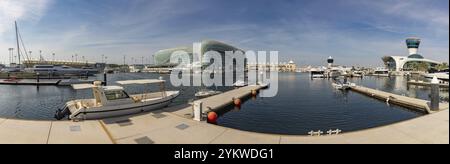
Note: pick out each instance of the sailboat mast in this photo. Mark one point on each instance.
(17, 39)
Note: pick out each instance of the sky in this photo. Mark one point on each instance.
(354, 32)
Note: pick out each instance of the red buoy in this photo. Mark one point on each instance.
(212, 117)
(237, 102)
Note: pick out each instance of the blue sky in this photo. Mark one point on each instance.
(354, 32)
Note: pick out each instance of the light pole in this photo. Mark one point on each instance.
(53, 57)
(11, 54)
(154, 62)
(124, 60)
(76, 58)
(40, 54)
(103, 56)
(31, 57)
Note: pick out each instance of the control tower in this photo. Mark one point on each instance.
(330, 62)
(413, 45)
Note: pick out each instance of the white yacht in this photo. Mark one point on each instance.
(381, 72)
(240, 83)
(112, 101)
(443, 75)
(316, 73)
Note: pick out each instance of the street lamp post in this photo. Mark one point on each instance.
(40, 54)
(11, 54)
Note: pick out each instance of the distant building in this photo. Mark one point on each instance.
(400, 63)
(162, 57)
(280, 67)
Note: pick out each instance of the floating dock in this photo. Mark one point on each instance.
(30, 82)
(404, 101)
(425, 84)
(54, 82)
(218, 102)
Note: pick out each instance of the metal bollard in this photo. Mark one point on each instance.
(197, 110)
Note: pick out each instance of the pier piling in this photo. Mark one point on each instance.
(105, 80)
(434, 104)
(37, 80)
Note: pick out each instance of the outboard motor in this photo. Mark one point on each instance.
(62, 113)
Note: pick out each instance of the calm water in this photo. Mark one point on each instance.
(302, 104)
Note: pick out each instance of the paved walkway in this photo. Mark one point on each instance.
(169, 128)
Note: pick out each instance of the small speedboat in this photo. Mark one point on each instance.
(113, 101)
(343, 86)
(206, 93)
(240, 83)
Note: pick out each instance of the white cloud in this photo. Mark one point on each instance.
(24, 10)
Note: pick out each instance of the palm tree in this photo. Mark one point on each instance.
(442, 66)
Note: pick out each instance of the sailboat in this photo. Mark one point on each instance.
(15, 67)
(204, 92)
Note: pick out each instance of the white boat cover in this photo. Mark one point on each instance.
(82, 86)
(144, 81)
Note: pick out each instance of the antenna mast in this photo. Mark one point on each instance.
(18, 47)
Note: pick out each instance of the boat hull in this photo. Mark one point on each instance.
(122, 110)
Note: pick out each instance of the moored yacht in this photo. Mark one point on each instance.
(382, 72)
(441, 75)
(316, 73)
(61, 70)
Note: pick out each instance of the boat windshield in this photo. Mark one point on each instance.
(116, 95)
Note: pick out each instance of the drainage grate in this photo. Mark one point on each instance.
(182, 126)
(126, 122)
(75, 128)
(144, 140)
(158, 116)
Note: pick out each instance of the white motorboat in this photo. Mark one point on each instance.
(112, 101)
(342, 86)
(443, 76)
(315, 73)
(240, 83)
(204, 93)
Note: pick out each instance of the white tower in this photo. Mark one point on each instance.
(413, 45)
(330, 62)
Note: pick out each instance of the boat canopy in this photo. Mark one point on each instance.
(82, 86)
(145, 81)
